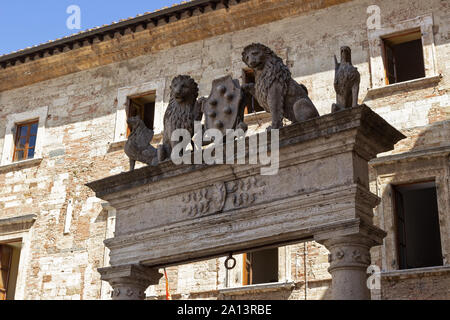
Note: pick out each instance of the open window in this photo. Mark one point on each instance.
(144, 107)
(260, 267)
(252, 105)
(418, 233)
(9, 267)
(403, 57)
(25, 140)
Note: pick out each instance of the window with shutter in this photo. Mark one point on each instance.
(5, 267)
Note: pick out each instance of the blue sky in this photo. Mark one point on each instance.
(27, 23)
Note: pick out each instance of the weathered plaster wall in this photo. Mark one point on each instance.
(81, 124)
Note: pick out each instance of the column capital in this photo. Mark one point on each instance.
(130, 281)
(349, 245)
(350, 252)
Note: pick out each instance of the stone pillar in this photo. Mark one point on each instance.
(349, 259)
(129, 282)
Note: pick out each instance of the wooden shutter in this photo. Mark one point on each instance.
(5, 267)
(391, 71)
(401, 230)
(247, 269)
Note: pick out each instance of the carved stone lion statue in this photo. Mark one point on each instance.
(138, 146)
(181, 113)
(274, 88)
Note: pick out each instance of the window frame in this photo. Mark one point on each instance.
(141, 111)
(123, 95)
(377, 51)
(387, 45)
(396, 190)
(10, 135)
(18, 136)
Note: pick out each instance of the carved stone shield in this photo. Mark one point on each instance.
(223, 108)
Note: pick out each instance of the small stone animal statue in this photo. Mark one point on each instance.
(346, 82)
(138, 147)
(274, 88)
(181, 113)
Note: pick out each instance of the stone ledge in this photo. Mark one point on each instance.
(120, 145)
(407, 85)
(20, 164)
(264, 287)
(413, 155)
(416, 273)
(16, 224)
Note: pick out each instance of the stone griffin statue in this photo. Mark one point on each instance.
(346, 82)
(181, 113)
(138, 146)
(274, 88)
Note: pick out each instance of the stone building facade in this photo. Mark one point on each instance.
(72, 96)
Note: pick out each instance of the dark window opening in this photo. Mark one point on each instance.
(251, 104)
(403, 56)
(25, 141)
(260, 267)
(418, 233)
(143, 106)
(9, 268)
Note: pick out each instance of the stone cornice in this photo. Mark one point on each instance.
(145, 35)
(361, 118)
(17, 224)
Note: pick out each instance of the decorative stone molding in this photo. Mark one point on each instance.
(20, 165)
(416, 273)
(410, 85)
(12, 120)
(245, 192)
(349, 259)
(18, 229)
(17, 224)
(258, 288)
(205, 201)
(129, 282)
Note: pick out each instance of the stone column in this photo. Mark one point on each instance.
(349, 259)
(129, 282)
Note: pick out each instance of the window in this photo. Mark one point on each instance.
(154, 88)
(23, 138)
(144, 107)
(418, 234)
(25, 141)
(252, 104)
(396, 37)
(260, 267)
(403, 57)
(9, 267)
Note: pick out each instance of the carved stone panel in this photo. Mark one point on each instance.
(223, 107)
(245, 192)
(205, 201)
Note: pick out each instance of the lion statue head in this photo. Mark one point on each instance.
(184, 90)
(260, 57)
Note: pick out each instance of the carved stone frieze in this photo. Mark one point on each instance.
(205, 201)
(213, 199)
(245, 192)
